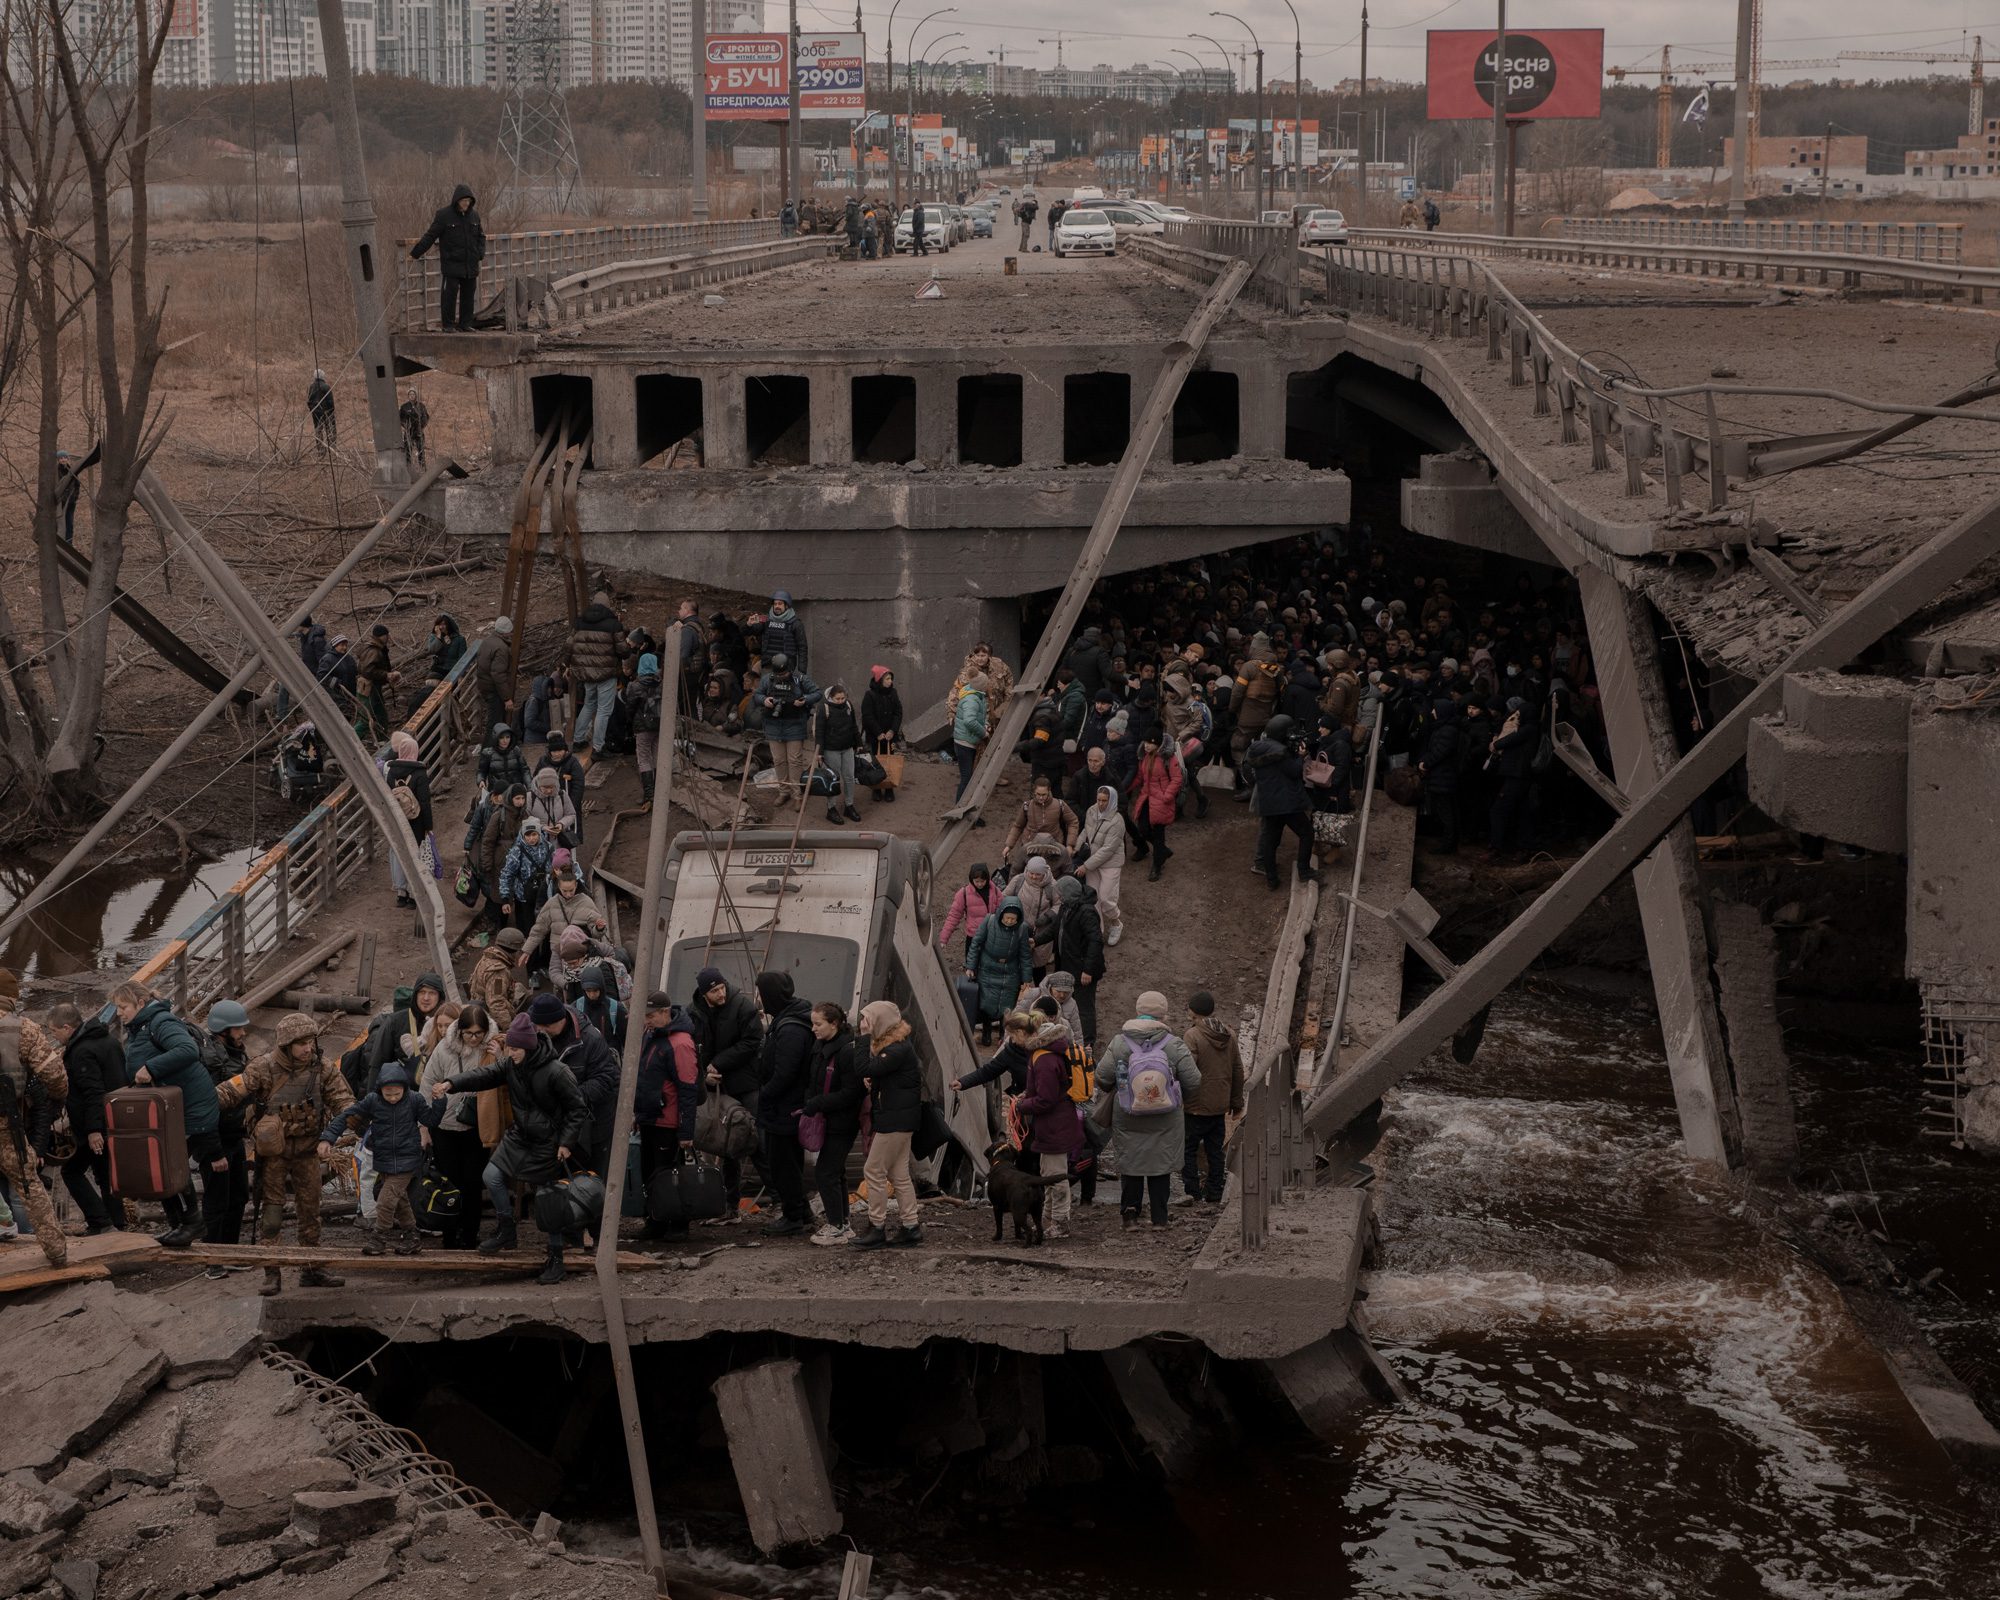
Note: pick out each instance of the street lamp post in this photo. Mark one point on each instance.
(1298, 107)
(1257, 129)
(910, 74)
(1201, 104)
(1230, 78)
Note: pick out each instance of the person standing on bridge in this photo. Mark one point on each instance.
(1151, 1076)
(460, 238)
(851, 222)
(1024, 212)
(788, 220)
(789, 699)
(1276, 763)
(593, 656)
(784, 634)
(1055, 218)
(917, 244)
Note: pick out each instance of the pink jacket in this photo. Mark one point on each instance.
(971, 908)
(1155, 789)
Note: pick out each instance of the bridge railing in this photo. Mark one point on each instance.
(1442, 293)
(1270, 1152)
(556, 253)
(625, 283)
(246, 933)
(1907, 241)
(1269, 247)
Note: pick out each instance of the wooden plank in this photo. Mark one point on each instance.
(22, 1282)
(288, 976)
(1886, 603)
(24, 1256)
(1573, 754)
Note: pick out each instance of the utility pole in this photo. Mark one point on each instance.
(364, 261)
(792, 112)
(1739, 166)
(1825, 167)
(1499, 118)
(1361, 125)
(698, 146)
(1298, 108)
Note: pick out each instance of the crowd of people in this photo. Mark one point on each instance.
(1275, 668)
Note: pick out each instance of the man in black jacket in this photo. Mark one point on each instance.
(1276, 759)
(461, 245)
(730, 1035)
(582, 1049)
(1080, 947)
(785, 1068)
(96, 1065)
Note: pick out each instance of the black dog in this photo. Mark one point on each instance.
(1016, 1192)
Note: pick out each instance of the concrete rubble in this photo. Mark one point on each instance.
(148, 1457)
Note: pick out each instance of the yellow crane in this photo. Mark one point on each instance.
(1663, 125)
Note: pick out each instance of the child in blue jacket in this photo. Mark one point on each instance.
(395, 1117)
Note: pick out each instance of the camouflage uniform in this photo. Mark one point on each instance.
(491, 984)
(26, 1052)
(297, 1100)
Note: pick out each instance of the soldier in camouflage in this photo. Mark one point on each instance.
(27, 1053)
(300, 1091)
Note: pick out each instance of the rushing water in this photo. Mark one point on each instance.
(1622, 1385)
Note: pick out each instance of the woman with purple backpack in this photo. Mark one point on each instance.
(1148, 1075)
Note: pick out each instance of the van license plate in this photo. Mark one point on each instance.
(780, 859)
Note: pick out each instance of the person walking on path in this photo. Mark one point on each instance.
(319, 405)
(1100, 858)
(1276, 761)
(896, 1098)
(95, 1063)
(1053, 1121)
(27, 1053)
(785, 1072)
(918, 246)
(1220, 1097)
(162, 1049)
(1151, 1074)
(1024, 212)
(299, 1089)
(470, 1044)
(834, 1093)
(1156, 792)
(460, 238)
(593, 656)
(968, 729)
(492, 671)
(398, 1122)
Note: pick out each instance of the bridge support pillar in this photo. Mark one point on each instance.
(1260, 413)
(1162, 1424)
(1041, 418)
(832, 420)
(725, 423)
(1643, 748)
(614, 420)
(1455, 498)
(774, 1446)
(1332, 1380)
(937, 418)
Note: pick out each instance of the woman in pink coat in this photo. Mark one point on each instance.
(1155, 789)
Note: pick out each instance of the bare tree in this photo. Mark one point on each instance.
(79, 91)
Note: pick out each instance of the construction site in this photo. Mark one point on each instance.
(1600, 1211)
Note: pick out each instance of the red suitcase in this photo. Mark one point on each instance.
(147, 1142)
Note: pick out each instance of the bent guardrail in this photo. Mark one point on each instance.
(247, 930)
(627, 283)
(1443, 293)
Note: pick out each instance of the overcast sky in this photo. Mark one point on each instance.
(1126, 31)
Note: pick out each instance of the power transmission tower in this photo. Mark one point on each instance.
(537, 145)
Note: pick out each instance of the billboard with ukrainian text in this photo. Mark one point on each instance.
(833, 77)
(747, 77)
(1549, 73)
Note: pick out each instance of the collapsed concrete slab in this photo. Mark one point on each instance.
(774, 1447)
(1835, 760)
(90, 1368)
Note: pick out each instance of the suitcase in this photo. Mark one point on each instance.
(687, 1193)
(146, 1142)
(968, 997)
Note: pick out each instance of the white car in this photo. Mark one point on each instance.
(1275, 216)
(1128, 220)
(938, 230)
(1323, 227)
(1085, 231)
(1087, 195)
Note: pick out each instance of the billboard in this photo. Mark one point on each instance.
(1285, 144)
(1550, 73)
(833, 77)
(746, 77)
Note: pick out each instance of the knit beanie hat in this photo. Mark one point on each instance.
(545, 1010)
(521, 1033)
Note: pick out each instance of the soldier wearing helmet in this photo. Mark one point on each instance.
(299, 1091)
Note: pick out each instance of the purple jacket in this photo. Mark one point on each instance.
(1057, 1129)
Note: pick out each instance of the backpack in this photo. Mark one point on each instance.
(1082, 1073)
(1204, 715)
(406, 800)
(1148, 1086)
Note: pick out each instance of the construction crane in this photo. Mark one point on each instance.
(1975, 57)
(1663, 128)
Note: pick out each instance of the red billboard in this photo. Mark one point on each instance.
(1550, 73)
(749, 77)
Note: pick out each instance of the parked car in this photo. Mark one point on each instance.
(1086, 195)
(982, 222)
(1085, 231)
(1323, 227)
(1284, 217)
(937, 230)
(1128, 220)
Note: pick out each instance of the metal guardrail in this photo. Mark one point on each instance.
(1269, 247)
(627, 283)
(557, 253)
(247, 930)
(1269, 1151)
(1697, 259)
(1444, 294)
(1911, 241)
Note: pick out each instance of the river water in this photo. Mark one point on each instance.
(110, 915)
(1622, 1385)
